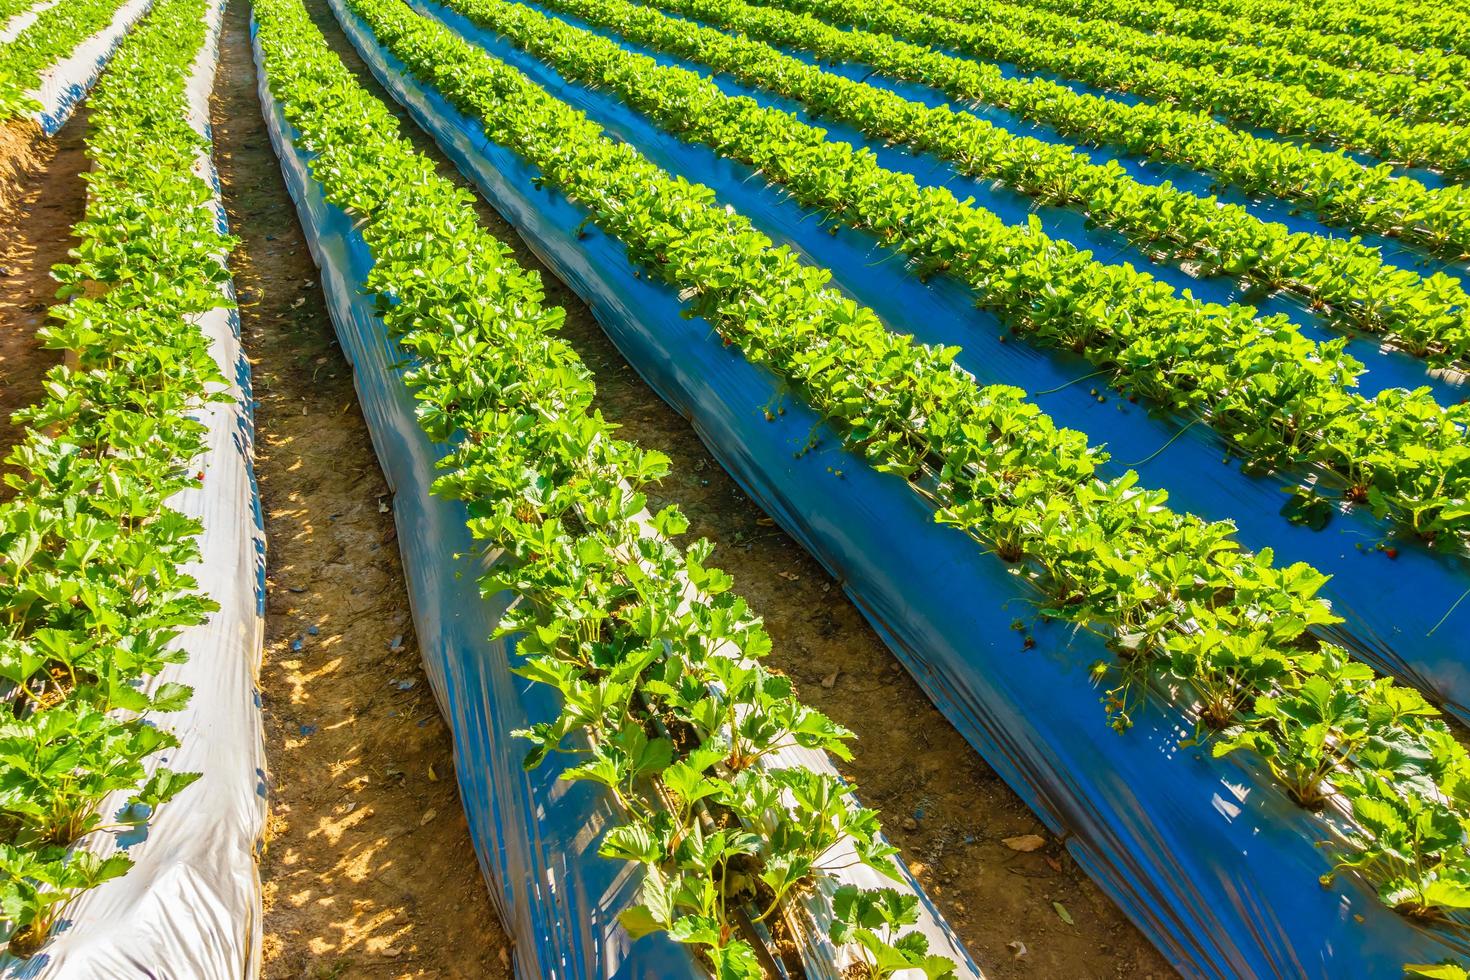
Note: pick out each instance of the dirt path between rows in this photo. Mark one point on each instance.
(42, 195)
(368, 871)
(943, 806)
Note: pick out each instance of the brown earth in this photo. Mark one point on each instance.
(23, 152)
(42, 195)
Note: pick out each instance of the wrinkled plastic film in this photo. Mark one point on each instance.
(1210, 858)
(190, 905)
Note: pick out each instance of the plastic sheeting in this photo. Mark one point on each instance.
(190, 905)
(1211, 860)
(536, 836)
(1391, 607)
(67, 82)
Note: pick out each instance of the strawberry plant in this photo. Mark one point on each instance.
(1306, 89)
(1106, 555)
(9, 8)
(1335, 186)
(92, 557)
(1348, 281)
(1386, 93)
(664, 701)
(1249, 101)
(1350, 50)
(1260, 382)
(1399, 22)
(873, 919)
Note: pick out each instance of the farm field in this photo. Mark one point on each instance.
(738, 488)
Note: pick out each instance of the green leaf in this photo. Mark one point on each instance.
(736, 961)
(630, 842)
(1437, 971)
(162, 786)
(1448, 894)
(171, 696)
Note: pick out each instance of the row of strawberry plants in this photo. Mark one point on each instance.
(1389, 94)
(664, 700)
(1405, 23)
(1182, 604)
(95, 589)
(1285, 109)
(1347, 281)
(52, 37)
(1341, 190)
(1279, 396)
(9, 8)
(1349, 51)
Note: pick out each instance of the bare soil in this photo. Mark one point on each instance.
(939, 800)
(369, 870)
(23, 151)
(42, 195)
